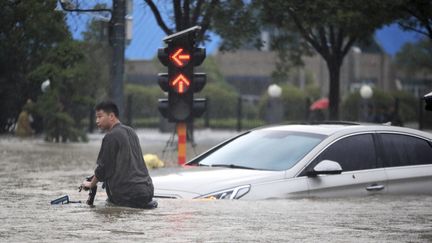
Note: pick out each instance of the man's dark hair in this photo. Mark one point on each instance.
(108, 106)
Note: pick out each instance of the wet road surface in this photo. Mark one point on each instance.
(32, 173)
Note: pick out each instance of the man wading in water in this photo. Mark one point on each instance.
(120, 163)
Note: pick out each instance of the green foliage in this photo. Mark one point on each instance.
(380, 104)
(407, 104)
(416, 16)
(212, 71)
(415, 57)
(353, 105)
(290, 48)
(293, 102)
(59, 125)
(313, 91)
(222, 100)
(29, 30)
(146, 122)
(237, 23)
(144, 100)
(350, 107)
(71, 94)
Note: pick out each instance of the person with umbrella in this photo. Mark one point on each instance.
(317, 109)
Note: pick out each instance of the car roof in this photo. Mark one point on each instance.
(328, 129)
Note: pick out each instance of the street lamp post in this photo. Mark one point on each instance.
(275, 109)
(366, 93)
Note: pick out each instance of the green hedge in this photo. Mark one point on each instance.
(293, 101)
(222, 103)
(408, 104)
(222, 100)
(379, 104)
(144, 100)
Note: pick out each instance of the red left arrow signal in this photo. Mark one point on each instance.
(180, 84)
(180, 58)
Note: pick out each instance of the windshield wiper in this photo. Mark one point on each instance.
(233, 166)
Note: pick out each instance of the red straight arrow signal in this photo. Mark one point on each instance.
(180, 83)
(180, 58)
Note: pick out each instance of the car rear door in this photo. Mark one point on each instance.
(361, 174)
(408, 162)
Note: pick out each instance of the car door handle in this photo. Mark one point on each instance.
(374, 187)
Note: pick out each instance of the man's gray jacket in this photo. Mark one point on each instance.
(120, 165)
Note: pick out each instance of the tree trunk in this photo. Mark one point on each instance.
(334, 67)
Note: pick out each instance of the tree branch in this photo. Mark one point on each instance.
(340, 37)
(414, 29)
(158, 17)
(309, 36)
(205, 23)
(332, 37)
(423, 18)
(325, 49)
(196, 12)
(348, 46)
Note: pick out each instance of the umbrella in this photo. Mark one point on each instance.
(320, 104)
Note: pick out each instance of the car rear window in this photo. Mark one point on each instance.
(404, 150)
(266, 150)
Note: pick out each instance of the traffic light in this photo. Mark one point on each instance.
(181, 56)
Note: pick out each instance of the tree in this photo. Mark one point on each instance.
(331, 27)
(79, 73)
(71, 92)
(417, 16)
(28, 30)
(233, 20)
(290, 49)
(415, 57)
(97, 53)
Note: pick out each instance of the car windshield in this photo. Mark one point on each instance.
(264, 150)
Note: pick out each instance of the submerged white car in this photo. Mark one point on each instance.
(327, 160)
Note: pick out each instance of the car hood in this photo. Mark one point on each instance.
(195, 181)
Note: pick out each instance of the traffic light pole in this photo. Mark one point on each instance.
(181, 144)
(181, 82)
(117, 40)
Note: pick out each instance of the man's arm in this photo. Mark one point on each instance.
(106, 158)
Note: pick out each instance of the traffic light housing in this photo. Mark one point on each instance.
(181, 56)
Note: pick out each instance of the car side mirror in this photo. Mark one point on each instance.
(325, 167)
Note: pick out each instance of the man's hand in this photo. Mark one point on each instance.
(90, 184)
(86, 184)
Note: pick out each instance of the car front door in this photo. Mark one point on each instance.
(361, 174)
(408, 162)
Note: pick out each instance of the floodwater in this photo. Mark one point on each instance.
(32, 173)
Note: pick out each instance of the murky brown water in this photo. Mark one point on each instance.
(32, 173)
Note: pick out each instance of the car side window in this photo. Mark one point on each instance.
(404, 150)
(356, 152)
